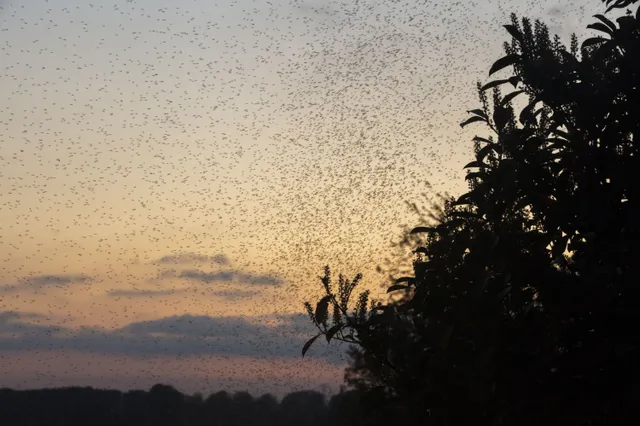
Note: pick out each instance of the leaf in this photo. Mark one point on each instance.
(510, 97)
(473, 120)
(408, 280)
(479, 139)
(526, 115)
(494, 83)
(538, 112)
(332, 331)
(463, 200)
(503, 63)
(478, 112)
(420, 229)
(618, 4)
(513, 80)
(475, 164)
(307, 345)
(593, 41)
(514, 32)
(321, 309)
(482, 153)
(397, 287)
(600, 27)
(561, 133)
(558, 155)
(606, 21)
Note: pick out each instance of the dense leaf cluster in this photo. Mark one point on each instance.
(523, 305)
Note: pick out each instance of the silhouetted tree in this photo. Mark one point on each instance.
(219, 407)
(304, 408)
(267, 410)
(521, 305)
(164, 404)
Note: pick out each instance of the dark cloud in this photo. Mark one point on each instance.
(7, 316)
(233, 295)
(231, 276)
(168, 273)
(188, 258)
(317, 9)
(145, 293)
(174, 336)
(13, 324)
(204, 277)
(199, 326)
(163, 275)
(207, 277)
(38, 282)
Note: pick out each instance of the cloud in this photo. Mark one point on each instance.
(231, 276)
(317, 9)
(7, 316)
(203, 277)
(145, 293)
(38, 282)
(174, 336)
(207, 277)
(200, 326)
(188, 258)
(12, 323)
(231, 294)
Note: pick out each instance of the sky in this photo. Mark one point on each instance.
(175, 174)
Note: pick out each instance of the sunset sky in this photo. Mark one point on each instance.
(174, 174)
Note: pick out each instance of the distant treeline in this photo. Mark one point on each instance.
(164, 405)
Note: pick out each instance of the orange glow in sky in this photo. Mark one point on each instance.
(178, 159)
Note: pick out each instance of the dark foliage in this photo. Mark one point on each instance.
(164, 405)
(521, 307)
